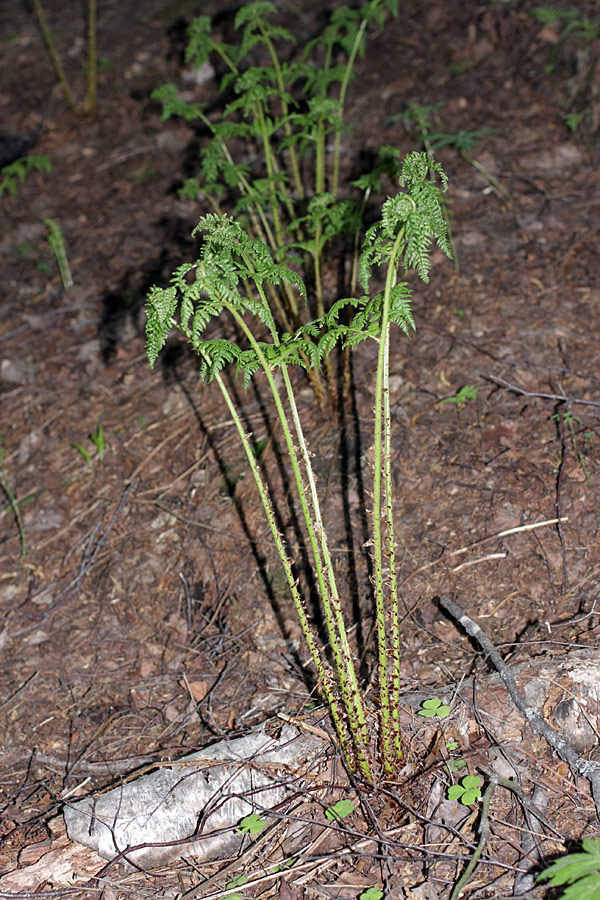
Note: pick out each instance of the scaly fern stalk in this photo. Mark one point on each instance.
(387, 739)
(394, 613)
(307, 631)
(230, 260)
(316, 531)
(408, 223)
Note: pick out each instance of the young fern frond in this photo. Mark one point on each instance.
(290, 108)
(161, 305)
(238, 273)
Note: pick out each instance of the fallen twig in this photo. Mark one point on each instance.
(588, 769)
(518, 528)
(518, 390)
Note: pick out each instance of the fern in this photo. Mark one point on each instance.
(236, 273)
(160, 308)
(289, 110)
(580, 871)
(20, 169)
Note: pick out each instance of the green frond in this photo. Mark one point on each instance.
(174, 105)
(333, 314)
(200, 42)
(202, 316)
(401, 307)
(252, 12)
(214, 356)
(247, 364)
(161, 304)
(261, 311)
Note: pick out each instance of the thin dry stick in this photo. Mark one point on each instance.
(587, 768)
(516, 530)
(518, 390)
(475, 562)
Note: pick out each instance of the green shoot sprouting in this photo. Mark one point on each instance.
(19, 169)
(233, 276)
(57, 245)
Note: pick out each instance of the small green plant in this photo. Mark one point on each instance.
(340, 810)
(233, 276)
(252, 824)
(371, 893)
(19, 170)
(99, 443)
(468, 791)
(574, 119)
(571, 53)
(238, 881)
(57, 245)
(426, 122)
(580, 871)
(461, 398)
(290, 112)
(569, 20)
(88, 106)
(434, 707)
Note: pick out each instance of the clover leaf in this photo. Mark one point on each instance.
(434, 707)
(339, 810)
(252, 824)
(467, 792)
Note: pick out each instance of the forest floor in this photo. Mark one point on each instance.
(148, 616)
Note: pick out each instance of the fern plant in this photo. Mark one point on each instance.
(234, 275)
(286, 110)
(580, 871)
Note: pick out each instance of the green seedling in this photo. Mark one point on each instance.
(99, 443)
(451, 745)
(573, 36)
(340, 810)
(426, 122)
(455, 765)
(83, 452)
(233, 276)
(252, 824)
(13, 503)
(238, 881)
(468, 791)
(462, 397)
(18, 171)
(57, 245)
(574, 119)
(144, 174)
(371, 894)
(434, 707)
(88, 106)
(569, 20)
(580, 871)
